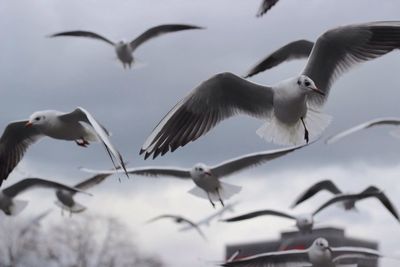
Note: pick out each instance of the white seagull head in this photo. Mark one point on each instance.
(321, 244)
(200, 170)
(40, 118)
(306, 84)
(305, 223)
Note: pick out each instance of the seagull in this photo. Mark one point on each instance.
(207, 178)
(265, 6)
(328, 185)
(78, 125)
(365, 125)
(319, 254)
(11, 206)
(305, 222)
(291, 108)
(123, 49)
(179, 219)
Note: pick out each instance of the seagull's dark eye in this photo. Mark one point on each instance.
(201, 169)
(307, 83)
(37, 118)
(298, 82)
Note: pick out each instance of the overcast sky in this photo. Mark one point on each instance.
(40, 73)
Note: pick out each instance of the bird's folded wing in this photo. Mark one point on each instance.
(259, 213)
(289, 258)
(323, 185)
(214, 100)
(250, 160)
(159, 30)
(83, 34)
(339, 49)
(365, 125)
(265, 6)
(14, 142)
(294, 50)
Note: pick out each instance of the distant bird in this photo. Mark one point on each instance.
(66, 199)
(179, 219)
(319, 254)
(78, 125)
(305, 222)
(265, 6)
(11, 206)
(365, 125)
(125, 50)
(291, 108)
(207, 179)
(328, 185)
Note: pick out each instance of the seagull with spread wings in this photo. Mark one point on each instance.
(79, 126)
(125, 50)
(291, 108)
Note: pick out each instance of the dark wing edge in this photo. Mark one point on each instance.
(82, 34)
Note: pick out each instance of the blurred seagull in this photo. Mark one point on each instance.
(305, 222)
(319, 254)
(366, 125)
(123, 49)
(11, 206)
(78, 125)
(206, 178)
(290, 108)
(328, 185)
(265, 6)
(179, 219)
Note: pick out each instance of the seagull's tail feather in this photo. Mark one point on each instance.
(17, 206)
(226, 191)
(76, 208)
(276, 132)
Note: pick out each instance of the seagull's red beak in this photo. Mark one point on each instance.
(28, 124)
(207, 173)
(318, 91)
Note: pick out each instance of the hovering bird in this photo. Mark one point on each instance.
(365, 125)
(319, 254)
(265, 6)
(305, 222)
(291, 108)
(78, 125)
(11, 206)
(179, 219)
(123, 49)
(206, 178)
(328, 185)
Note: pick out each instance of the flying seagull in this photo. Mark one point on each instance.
(291, 108)
(125, 50)
(365, 125)
(319, 254)
(265, 6)
(207, 178)
(305, 222)
(179, 219)
(78, 125)
(11, 206)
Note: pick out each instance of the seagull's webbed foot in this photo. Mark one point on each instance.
(82, 142)
(306, 137)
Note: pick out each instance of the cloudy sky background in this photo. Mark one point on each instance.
(40, 73)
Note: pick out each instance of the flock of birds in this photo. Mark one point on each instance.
(291, 111)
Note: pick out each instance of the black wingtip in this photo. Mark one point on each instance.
(141, 151)
(146, 155)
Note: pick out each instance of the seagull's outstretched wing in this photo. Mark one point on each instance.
(362, 126)
(294, 50)
(80, 114)
(383, 199)
(159, 30)
(214, 100)
(83, 34)
(344, 197)
(323, 185)
(289, 258)
(339, 49)
(259, 213)
(265, 6)
(29, 183)
(14, 142)
(250, 160)
(148, 171)
(95, 180)
(353, 254)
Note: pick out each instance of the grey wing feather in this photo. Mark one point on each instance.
(29, 183)
(354, 253)
(222, 96)
(237, 164)
(83, 34)
(362, 126)
(383, 199)
(322, 185)
(294, 50)
(159, 30)
(95, 180)
(257, 214)
(14, 142)
(339, 49)
(148, 171)
(265, 6)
